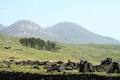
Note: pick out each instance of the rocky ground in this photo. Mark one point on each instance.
(29, 76)
(65, 70)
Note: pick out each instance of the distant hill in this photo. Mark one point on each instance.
(65, 32)
(24, 28)
(68, 32)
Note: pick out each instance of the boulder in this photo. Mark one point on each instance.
(107, 61)
(71, 65)
(115, 68)
(36, 67)
(84, 66)
(7, 47)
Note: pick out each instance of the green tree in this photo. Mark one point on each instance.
(38, 43)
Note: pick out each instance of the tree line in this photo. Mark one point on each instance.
(39, 44)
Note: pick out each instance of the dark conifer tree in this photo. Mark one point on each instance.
(38, 43)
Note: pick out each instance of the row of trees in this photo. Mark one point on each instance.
(38, 44)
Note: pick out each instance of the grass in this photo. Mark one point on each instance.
(93, 53)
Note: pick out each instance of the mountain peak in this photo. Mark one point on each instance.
(25, 25)
(69, 32)
(22, 27)
(67, 24)
(24, 21)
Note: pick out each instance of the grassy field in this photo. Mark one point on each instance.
(93, 53)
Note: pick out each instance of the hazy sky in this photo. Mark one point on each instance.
(99, 16)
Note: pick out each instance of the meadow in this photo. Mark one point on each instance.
(93, 53)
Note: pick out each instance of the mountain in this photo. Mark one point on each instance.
(72, 33)
(64, 32)
(2, 27)
(24, 28)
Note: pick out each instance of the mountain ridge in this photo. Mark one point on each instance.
(65, 32)
(77, 33)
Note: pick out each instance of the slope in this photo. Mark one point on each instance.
(72, 33)
(63, 32)
(24, 28)
(2, 27)
(94, 53)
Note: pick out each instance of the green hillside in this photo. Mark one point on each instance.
(94, 53)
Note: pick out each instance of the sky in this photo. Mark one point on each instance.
(99, 16)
